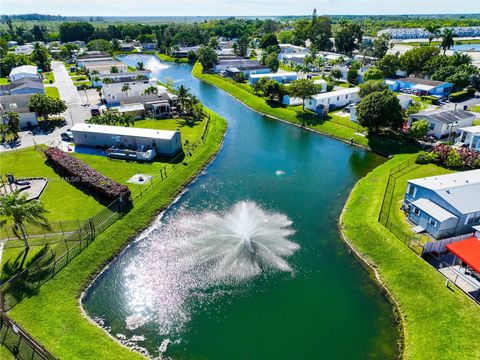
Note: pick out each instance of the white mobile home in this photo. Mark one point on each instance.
(164, 142)
(281, 77)
(334, 99)
(19, 104)
(24, 71)
(470, 137)
(443, 123)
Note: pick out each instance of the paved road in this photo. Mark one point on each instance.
(76, 112)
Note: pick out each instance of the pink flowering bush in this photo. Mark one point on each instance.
(81, 172)
(451, 157)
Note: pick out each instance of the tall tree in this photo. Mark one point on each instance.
(302, 88)
(44, 105)
(41, 57)
(126, 88)
(447, 39)
(380, 110)
(241, 46)
(21, 211)
(433, 31)
(14, 124)
(207, 57)
(347, 37)
(140, 66)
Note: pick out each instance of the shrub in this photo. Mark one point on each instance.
(430, 99)
(451, 157)
(457, 96)
(83, 173)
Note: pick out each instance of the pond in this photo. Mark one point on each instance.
(248, 263)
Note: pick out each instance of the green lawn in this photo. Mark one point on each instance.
(85, 82)
(439, 323)
(52, 91)
(341, 129)
(4, 81)
(63, 201)
(48, 77)
(169, 58)
(54, 317)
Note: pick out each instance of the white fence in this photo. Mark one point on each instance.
(440, 246)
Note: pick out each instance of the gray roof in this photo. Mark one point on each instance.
(461, 190)
(446, 116)
(432, 209)
(144, 98)
(17, 103)
(32, 83)
(414, 80)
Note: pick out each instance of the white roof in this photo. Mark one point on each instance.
(390, 82)
(423, 87)
(432, 209)
(461, 190)
(319, 81)
(28, 69)
(124, 131)
(336, 93)
(130, 107)
(471, 129)
(278, 74)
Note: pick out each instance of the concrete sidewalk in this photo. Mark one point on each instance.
(67, 90)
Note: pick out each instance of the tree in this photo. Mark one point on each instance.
(183, 94)
(140, 66)
(4, 130)
(302, 88)
(272, 62)
(336, 73)
(192, 57)
(126, 88)
(268, 40)
(150, 90)
(72, 31)
(39, 32)
(419, 129)
(373, 73)
(380, 46)
(380, 110)
(352, 76)
(13, 124)
(100, 45)
(44, 105)
(241, 46)
(41, 57)
(447, 39)
(213, 43)
(67, 50)
(21, 211)
(3, 48)
(347, 37)
(388, 64)
(273, 89)
(433, 31)
(414, 61)
(207, 57)
(11, 61)
(114, 69)
(371, 86)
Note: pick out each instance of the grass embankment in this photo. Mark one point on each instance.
(335, 126)
(169, 58)
(4, 80)
(54, 316)
(439, 323)
(52, 91)
(48, 77)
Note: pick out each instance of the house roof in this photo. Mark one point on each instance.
(144, 98)
(17, 103)
(124, 131)
(432, 209)
(446, 116)
(414, 80)
(336, 93)
(471, 129)
(24, 69)
(273, 75)
(468, 250)
(29, 83)
(461, 190)
(130, 107)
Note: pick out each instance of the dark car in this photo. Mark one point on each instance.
(95, 111)
(67, 136)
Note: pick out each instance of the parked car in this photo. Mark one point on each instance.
(67, 136)
(95, 111)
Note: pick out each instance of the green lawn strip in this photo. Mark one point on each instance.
(169, 58)
(48, 77)
(297, 116)
(52, 91)
(54, 317)
(5, 354)
(4, 81)
(439, 323)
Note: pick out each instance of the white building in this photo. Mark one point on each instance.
(292, 101)
(26, 49)
(164, 142)
(19, 104)
(105, 67)
(333, 99)
(420, 33)
(113, 94)
(444, 123)
(24, 71)
(470, 137)
(281, 77)
(292, 49)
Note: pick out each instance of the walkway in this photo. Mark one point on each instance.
(68, 91)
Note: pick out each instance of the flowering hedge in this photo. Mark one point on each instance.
(81, 172)
(451, 157)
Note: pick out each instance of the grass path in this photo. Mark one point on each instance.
(54, 316)
(439, 323)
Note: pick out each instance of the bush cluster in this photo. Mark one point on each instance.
(83, 173)
(430, 99)
(451, 157)
(460, 95)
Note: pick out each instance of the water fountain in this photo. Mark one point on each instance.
(197, 252)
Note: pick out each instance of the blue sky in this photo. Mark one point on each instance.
(234, 7)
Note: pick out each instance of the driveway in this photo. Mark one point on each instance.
(68, 92)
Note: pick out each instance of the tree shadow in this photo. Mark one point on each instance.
(390, 143)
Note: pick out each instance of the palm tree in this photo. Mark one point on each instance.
(125, 88)
(114, 69)
(433, 31)
(16, 207)
(126, 120)
(183, 94)
(14, 124)
(447, 39)
(150, 90)
(4, 130)
(140, 66)
(107, 81)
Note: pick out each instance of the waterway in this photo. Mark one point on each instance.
(324, 307)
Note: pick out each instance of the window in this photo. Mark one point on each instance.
(416, 211)
(431, 126)
(472, 218)
(432, 222)
(411, 190)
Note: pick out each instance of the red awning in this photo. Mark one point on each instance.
(468, 250)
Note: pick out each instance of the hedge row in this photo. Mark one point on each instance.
(81, 172)
(451, 157)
